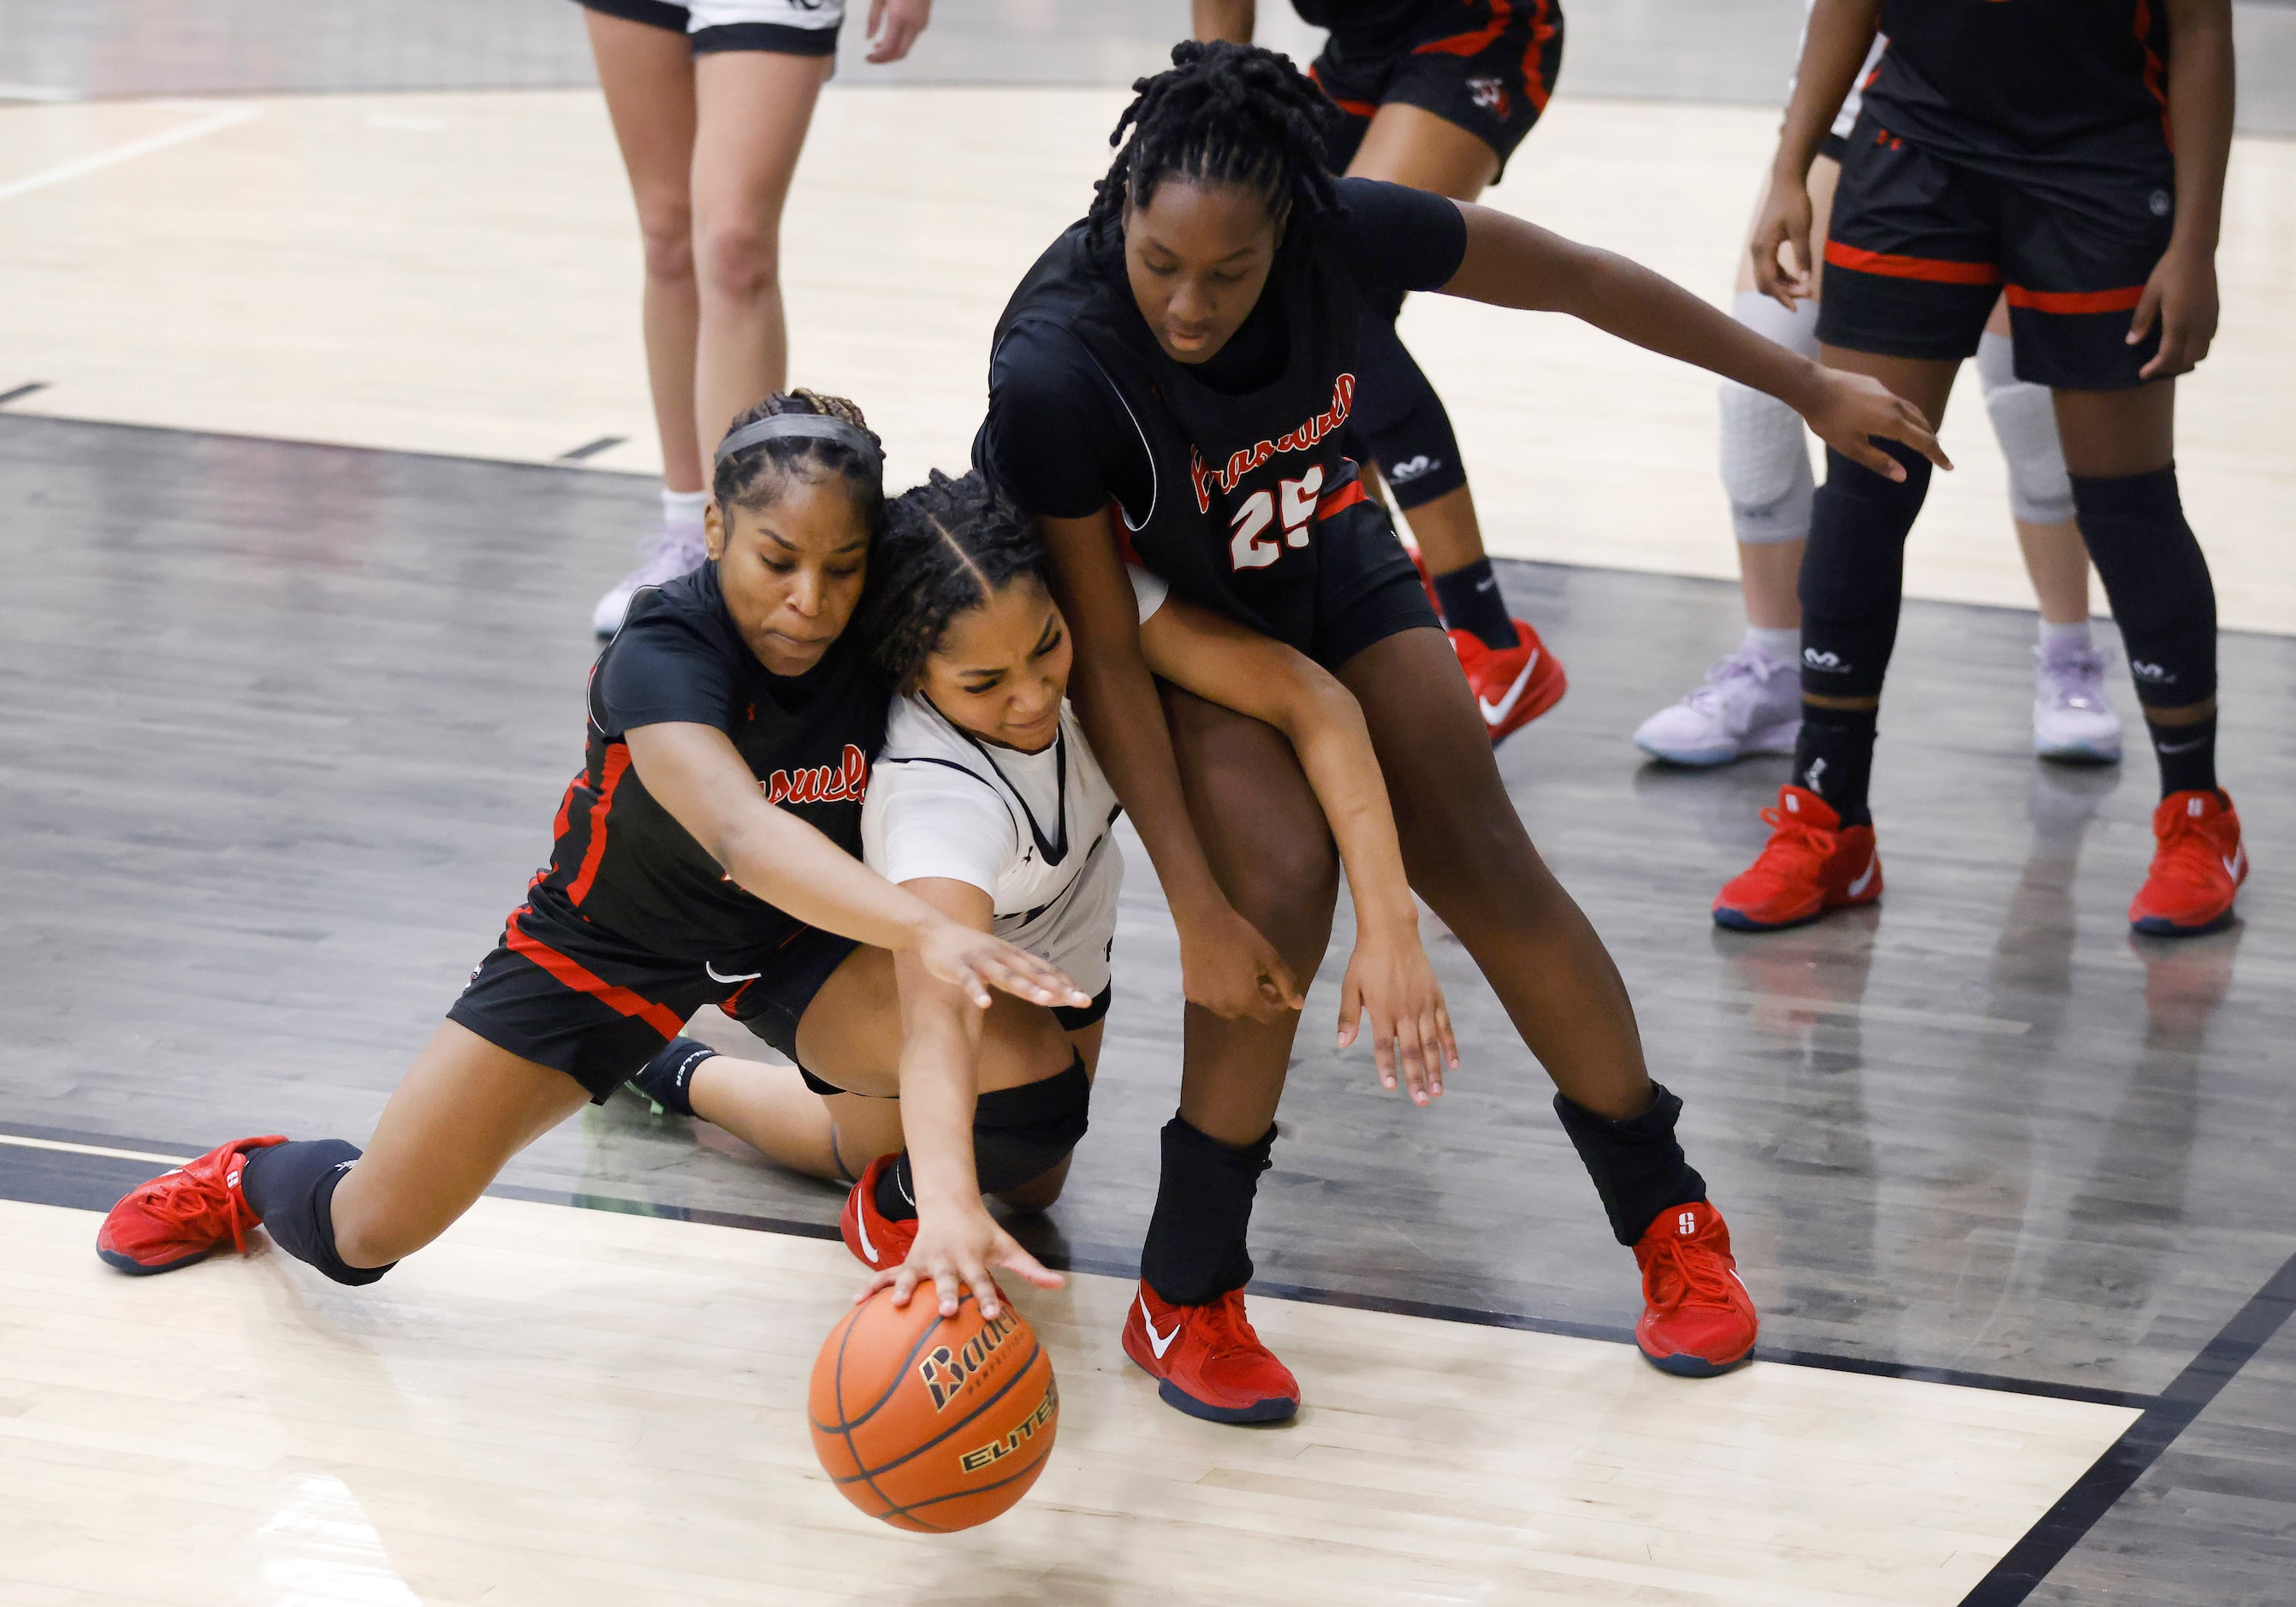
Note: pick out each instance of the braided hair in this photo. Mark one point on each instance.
(759, 473)
(949, 546)
(1222, 113)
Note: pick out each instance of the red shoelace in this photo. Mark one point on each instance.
(192, 1201)
(1697, 1269)
(1792, 839)
(2187, 854)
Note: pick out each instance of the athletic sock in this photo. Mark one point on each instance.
(1472, 602)
(896, 1192)
(2075, 634)
(1196, 1249)
(682, 510)
(2187, 755)
(1782, 645)
(1637, 1165)
(290, 1187)
(1833, 758)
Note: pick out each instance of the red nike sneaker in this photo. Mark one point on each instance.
(2197, 865)
(1514, 685)
(876, 1240)
(183, 1215)
(1812, 863)
(1207, 1361)
(1698, 1319)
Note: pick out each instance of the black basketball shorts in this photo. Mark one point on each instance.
(1921, 246)
(1488, 66)
(566, 994)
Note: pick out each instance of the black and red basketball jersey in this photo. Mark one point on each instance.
(2027, 76)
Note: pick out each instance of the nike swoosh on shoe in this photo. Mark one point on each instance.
(1496, 713)
(1865, 877)
(1157, 1342)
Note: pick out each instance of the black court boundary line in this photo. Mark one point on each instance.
(2096, 1492)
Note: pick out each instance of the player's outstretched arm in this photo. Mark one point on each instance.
(1229, 20)
(958, 1245)
(1510, 262)
(695, 772)
(1388, 976)
(1833, 47)
(2182, 292)
(1225, 964)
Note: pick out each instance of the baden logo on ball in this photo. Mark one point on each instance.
(930, 1422)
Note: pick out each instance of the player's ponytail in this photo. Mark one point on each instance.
(949, 546)
(1221, 113)
(754, 467)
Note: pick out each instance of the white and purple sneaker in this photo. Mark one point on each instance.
(1749, 702)
(665, 552)
(2073, 720)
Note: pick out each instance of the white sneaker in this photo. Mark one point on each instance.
(665, 552)
(1748, 703)
(2072, 718)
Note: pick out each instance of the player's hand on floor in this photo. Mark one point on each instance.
(894, 26)
(2182, 295)
(1229, 969)
(1392, 981)
(1850, 408)
(1784, 221)
(957, 1251)
(977, 962)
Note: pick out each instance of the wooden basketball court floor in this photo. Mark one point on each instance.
(293, 573)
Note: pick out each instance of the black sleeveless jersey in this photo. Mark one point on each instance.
(619, 861)
(1249, 507)
(2023, 78)
(1369, 27)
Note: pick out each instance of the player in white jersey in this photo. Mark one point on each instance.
(1750, 700)
(987, 801)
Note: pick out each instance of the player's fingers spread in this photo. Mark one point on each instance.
(904, 1279)
(984, 1289)
(1450, 1042)
(951, 1289)
(1382, 1051)
(877, 1281)
(1027, 1268)
(1351, 1013)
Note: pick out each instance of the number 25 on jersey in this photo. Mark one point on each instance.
(1251, 546)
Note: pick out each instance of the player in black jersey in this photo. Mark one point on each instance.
(1169, 383)
(1436, 95)
(705, 855)
(2024, 144)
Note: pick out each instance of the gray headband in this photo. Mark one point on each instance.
(811, 426)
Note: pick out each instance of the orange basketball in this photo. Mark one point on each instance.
(928, 1422)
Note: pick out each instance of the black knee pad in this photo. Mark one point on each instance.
(1019, 1134)
(1402, 422)
(2157, 580)
(1853, 572)
(291, 1188)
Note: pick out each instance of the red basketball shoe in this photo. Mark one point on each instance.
(1812, 863)
(876, 1240)
(1698, 1319)
(2197, 865)
(184, 1216)
(1512, 685)
(1208, 1362)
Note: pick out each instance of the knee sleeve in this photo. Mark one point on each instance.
(2158, 581)
(290, 1187)
(1400, 420)
(1854, 572)
(2025, 422)
(1020, 1133)
(1764, 449)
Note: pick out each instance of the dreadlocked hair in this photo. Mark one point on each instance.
(1222, 113)
(949, 546)
(760, 473)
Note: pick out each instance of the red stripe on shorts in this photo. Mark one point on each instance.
(2122, 300)
(617, 766)
(1535, 88)
(1470, 43)
(582, 979)
(1337, 500)
(1890, 265)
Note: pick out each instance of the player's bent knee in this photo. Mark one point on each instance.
(1765, 467)
(1020, 1133)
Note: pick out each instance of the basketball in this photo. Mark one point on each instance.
(932, 1423)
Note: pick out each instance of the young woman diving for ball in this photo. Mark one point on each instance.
(705, 855)
(986, 803)
(1168, 384)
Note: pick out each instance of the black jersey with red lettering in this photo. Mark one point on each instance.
(620, 862)
(1369, 25)
(2011, 78)
(1227, 474)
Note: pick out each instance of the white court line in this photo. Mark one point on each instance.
(92, 1148)
(228, 118)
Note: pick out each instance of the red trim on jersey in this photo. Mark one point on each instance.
(2156, 71)
(1337, 500)
(636, 1005)
(1534, 87)
(1890, 265)
(1477, 42)
(617, 766)
(2122, 300)
(1362, 109)
(565, 808)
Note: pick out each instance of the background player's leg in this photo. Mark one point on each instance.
(833, 1137)
(752, 109)
(647, 75)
